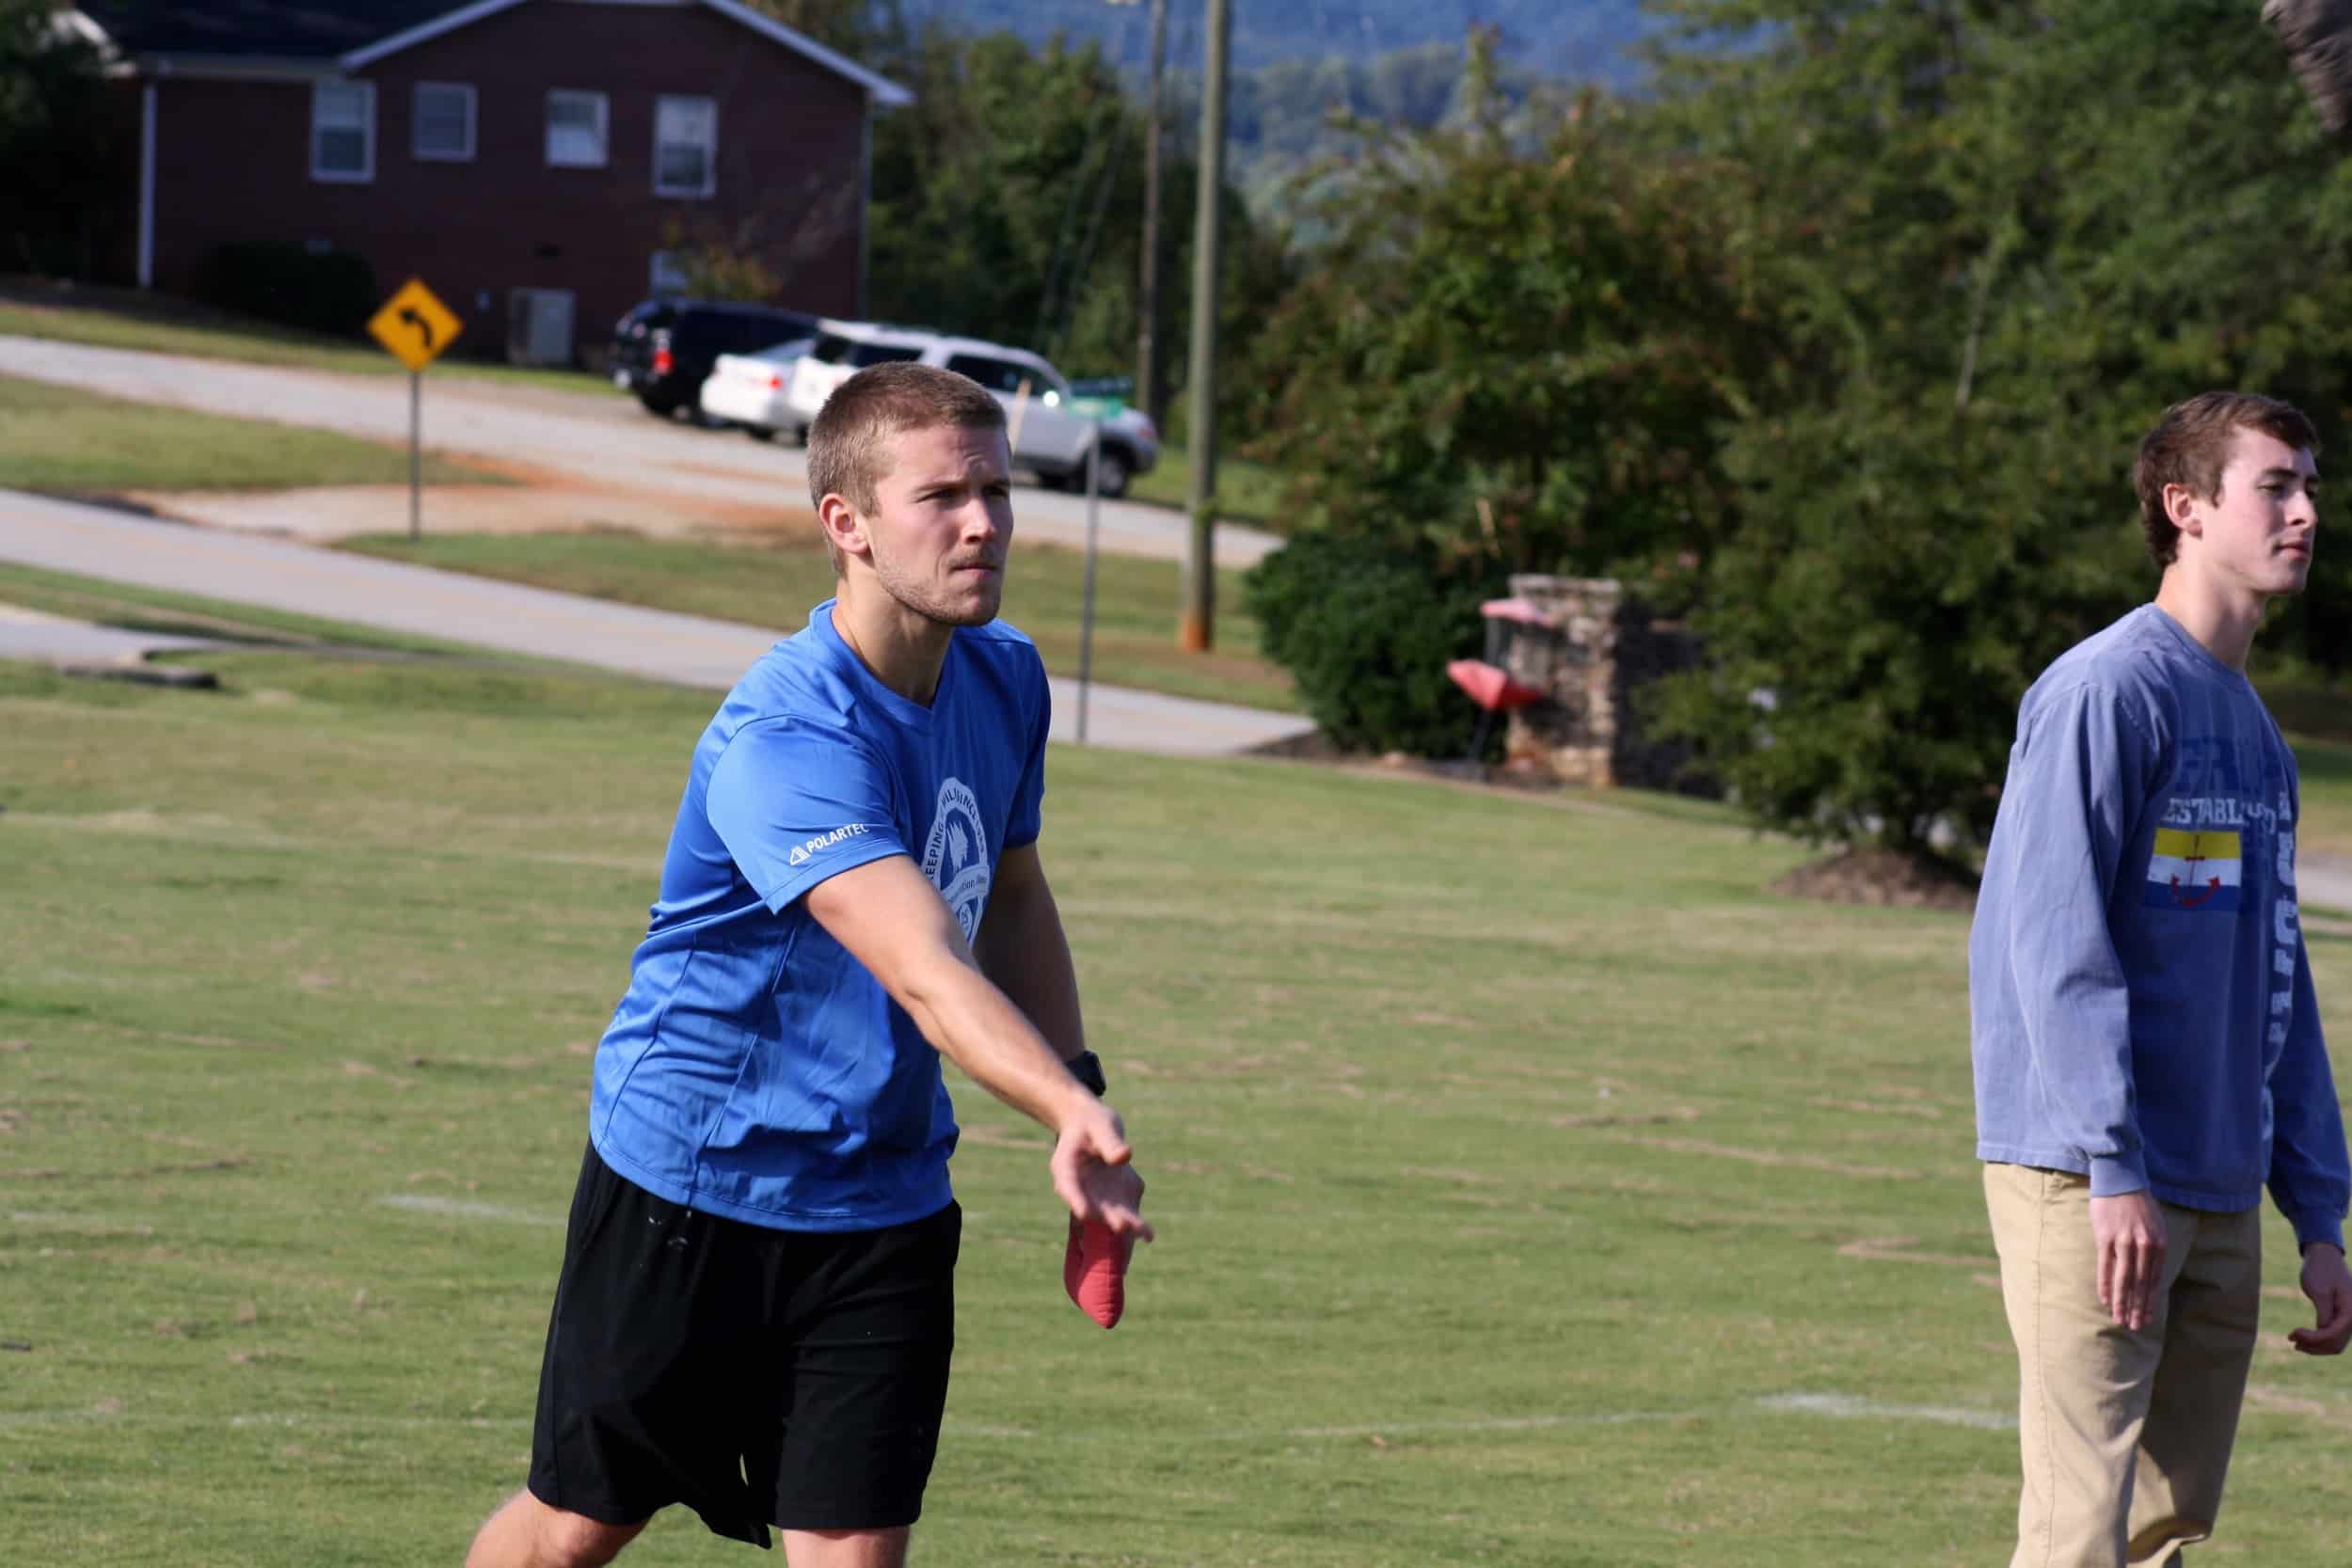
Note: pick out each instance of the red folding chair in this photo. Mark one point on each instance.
(1489, 681)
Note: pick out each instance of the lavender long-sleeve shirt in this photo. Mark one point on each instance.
(2140, 997)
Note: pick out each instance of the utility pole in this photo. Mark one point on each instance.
(1146, 348)
(1196, 627)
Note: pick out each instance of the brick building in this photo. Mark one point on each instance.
(535, 162)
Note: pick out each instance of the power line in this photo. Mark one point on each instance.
(1102, 142)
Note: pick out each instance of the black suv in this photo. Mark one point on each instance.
(664, 348)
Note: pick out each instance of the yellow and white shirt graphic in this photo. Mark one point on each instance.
(2193, 869)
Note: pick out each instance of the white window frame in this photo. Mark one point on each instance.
(710, 152)
(668, 278)
(416, 123)
(604, 128)
(365, 173)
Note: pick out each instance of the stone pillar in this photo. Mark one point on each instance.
(1593, 653)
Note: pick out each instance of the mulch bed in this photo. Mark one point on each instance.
(1885, 878)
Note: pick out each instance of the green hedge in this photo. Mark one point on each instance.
(1366, 628)
(319, 290)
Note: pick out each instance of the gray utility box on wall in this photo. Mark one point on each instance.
(539, 326)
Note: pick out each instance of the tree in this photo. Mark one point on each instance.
(871, 32)
(1513, 353)
(1008, 204)
(1516, 345)
(57, 147)
(1996, 238)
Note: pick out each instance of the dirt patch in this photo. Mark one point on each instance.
(1316, 746)
(1523, 783)
(1885, 878)
(1629, 1118)
(2274, 1402)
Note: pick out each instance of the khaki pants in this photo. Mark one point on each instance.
(2125, 1437)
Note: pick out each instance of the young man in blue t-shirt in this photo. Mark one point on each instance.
(2147, 1045)
(755, 1310)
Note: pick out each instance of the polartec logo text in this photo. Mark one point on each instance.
(825, 840)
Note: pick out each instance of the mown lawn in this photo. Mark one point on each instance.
(65, 441)
(1535, 1189)
(123, 318)
(2317, 717)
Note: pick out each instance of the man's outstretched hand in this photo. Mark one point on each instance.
(1104, 1194)
(2329, 1284)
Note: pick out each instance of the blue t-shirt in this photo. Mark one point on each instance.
(754, 1068)
(2141, 999)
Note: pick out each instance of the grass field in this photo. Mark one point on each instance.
(770, 585)
(62, 440)
(2318, 718)
(2326, 766)
(1250, 492)
(1533, 1189)
(127, 318)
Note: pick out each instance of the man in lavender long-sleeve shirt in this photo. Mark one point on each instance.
(2147, 1045)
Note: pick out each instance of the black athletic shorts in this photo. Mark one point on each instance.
(758, 1376)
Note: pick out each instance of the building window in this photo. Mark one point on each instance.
(343, 131)
(576, 130)
(669, 276)
(685, 146)
(442, 122)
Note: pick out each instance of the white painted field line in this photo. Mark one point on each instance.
(1490, 1424)
(1855, 1407)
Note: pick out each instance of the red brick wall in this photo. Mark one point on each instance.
(233, 164)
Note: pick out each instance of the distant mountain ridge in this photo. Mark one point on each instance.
(1582, 40)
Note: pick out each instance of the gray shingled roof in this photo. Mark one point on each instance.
(284, 30)
(331, 29)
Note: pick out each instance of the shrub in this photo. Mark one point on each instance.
(1366, 628)
(293, 285)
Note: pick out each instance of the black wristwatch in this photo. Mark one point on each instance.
(1086, 1068)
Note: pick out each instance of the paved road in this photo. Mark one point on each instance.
(687, 649)
(588, 437)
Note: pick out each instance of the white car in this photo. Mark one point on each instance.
(1051, 430)
(749, 389)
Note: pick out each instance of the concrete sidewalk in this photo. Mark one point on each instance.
(688, 650)
(76, 645)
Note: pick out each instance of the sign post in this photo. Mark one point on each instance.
(416, 456)
(1086, 617)
(416, 327)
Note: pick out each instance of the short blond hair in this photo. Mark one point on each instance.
(849, 445)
